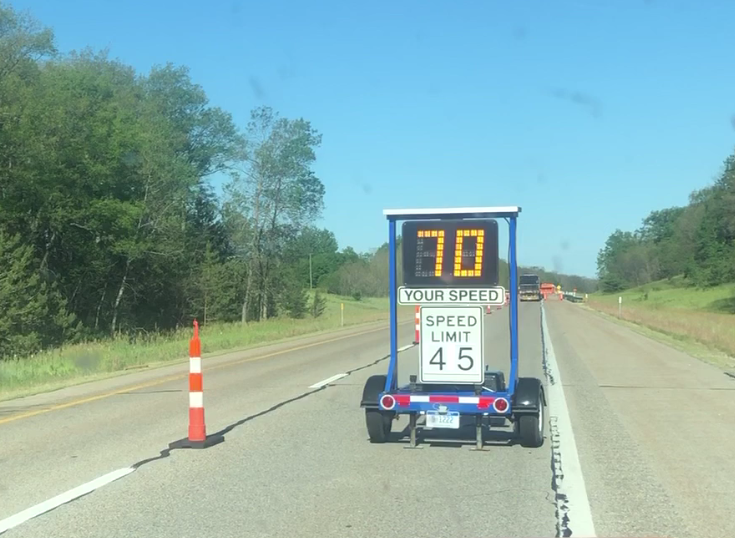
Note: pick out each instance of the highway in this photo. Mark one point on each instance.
(651, 428)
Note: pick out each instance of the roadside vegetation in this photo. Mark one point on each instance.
(112, 239)
(676, 273)
(58, 367)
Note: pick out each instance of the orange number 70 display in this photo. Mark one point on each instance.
(450, 253)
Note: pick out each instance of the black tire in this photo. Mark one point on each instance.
(379, 424)
(531, 428)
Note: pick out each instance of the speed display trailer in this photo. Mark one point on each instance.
(451, 270)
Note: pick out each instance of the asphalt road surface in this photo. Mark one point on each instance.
(639, 443)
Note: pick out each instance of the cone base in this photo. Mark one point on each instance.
(208, 442)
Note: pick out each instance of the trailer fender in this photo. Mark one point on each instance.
(529, 396)
(370, 393)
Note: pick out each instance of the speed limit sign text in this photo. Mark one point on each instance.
(452, 339)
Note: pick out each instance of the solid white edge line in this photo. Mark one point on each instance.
(327, 381)
(46, 506)
(571, 483)
(404, 348)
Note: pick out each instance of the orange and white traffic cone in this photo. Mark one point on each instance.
(197, 428)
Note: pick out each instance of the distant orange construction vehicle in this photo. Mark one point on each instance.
(547, 289)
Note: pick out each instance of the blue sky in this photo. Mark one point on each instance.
(586, 113)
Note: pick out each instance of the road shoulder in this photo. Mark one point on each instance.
(628, 394)
(679, 342)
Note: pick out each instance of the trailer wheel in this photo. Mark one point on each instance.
(531, 428)
(378, 425)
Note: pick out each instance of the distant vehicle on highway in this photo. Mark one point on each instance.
(529, 288)
(547, 289)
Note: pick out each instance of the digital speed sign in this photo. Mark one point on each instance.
(454, 253)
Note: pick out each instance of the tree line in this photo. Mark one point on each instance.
(370, 275)
(696, 241)
(108, 221)
(109, 224)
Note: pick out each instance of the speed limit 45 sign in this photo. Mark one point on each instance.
(452, 341)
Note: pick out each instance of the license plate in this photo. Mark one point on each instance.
(436, 420)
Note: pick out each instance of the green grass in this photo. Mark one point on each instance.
(682, 314)
(676, 293)
(85, 362)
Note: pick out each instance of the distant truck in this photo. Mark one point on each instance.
(529, 287)
(547, 289)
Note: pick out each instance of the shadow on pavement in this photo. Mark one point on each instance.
(462, 437)
(219, 436)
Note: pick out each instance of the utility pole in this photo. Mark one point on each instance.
(311, 286)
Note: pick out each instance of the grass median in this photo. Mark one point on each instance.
(96, 360)
(699, 321)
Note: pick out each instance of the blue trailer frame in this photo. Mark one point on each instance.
(384, 400)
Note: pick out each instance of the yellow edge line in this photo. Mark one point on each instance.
(163, 380)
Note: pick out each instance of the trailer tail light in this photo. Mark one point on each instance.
(500, 405)
(387, 401)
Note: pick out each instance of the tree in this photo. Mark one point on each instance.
(612, 264)
(33, 314)
(23, 42)
(318, 305)
(108, 221)
(696, 241)
(274, 193)
(313, 252)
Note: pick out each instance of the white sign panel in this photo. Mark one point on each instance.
(452, 342)
(448, 296)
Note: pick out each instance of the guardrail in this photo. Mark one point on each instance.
(573, 297)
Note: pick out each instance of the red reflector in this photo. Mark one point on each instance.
(388, 401)
(501, 404)
(403, 399)
(444, 399)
